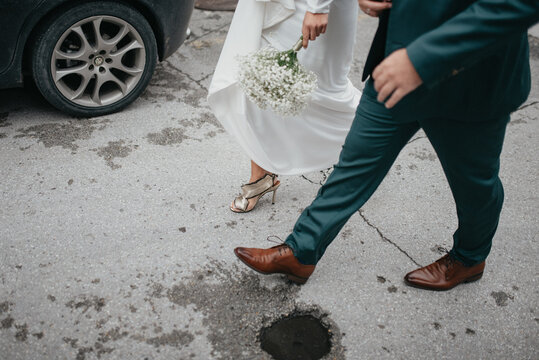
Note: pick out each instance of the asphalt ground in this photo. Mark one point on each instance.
(116, 239)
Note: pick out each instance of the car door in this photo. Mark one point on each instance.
(13, 14)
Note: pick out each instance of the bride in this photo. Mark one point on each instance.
(288, 145)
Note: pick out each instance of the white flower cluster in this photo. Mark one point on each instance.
(276, 79)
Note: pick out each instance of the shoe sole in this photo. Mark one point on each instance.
(294, 278)
(465, 281)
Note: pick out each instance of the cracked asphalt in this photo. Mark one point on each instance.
(116, 239)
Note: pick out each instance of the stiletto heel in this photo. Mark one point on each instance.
(255, 191)
(273, 198)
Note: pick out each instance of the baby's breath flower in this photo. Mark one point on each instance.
(276, 79)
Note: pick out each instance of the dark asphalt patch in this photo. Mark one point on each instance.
(301, 337)
(168, 136)
(501, 297)
(205, 119)
(113, 334)
(22, 332)
(7, 322)
(4, 306)
(424, 154)
(232, 304)
(176, 338)
(86, 302)
(115, 149)
(236, 306)
(63, 134)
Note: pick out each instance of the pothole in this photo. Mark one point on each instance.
(298, 337)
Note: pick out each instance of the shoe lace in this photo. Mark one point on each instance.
(283, 248)
(270, 239)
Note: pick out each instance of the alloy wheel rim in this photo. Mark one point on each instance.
(98, 61)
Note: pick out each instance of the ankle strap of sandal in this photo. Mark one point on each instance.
(259, 186)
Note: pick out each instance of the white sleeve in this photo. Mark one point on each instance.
(318, 6)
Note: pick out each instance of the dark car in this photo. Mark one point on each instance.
(88, 58)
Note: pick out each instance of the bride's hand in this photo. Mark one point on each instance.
(313, 26)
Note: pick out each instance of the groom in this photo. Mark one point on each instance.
(455, 69)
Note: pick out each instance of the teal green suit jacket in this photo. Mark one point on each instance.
(472, 55)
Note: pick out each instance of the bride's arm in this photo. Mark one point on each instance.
(318, 6)
(316, 20)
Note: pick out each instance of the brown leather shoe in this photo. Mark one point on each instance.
(276, 260)
(444, 274)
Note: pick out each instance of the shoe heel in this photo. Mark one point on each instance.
(474, 278)
(296, 279)
(273, 198)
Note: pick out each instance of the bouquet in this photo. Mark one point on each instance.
(276, 79)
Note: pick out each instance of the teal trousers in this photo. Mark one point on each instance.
(469, 152)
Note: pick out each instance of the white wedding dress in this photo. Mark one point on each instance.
(312, 140)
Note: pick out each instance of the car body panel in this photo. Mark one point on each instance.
(13, 14)
(170, 22)
(169, 19)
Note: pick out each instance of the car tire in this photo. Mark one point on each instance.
(94, 58)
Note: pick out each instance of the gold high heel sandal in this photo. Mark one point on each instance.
(255, 190)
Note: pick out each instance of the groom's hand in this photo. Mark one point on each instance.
(374, 7)
(395, 77)
(313, 26)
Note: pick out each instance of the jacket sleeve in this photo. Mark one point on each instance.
(319, 6)
(470, 36)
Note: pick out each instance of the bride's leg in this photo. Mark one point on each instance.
(256, 173)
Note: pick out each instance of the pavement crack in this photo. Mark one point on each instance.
(309, 180)
(204, 79)
(194, 38)
(385, 238)
(527, 105)
(325, 174)
(417, 138)
(198, 82)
